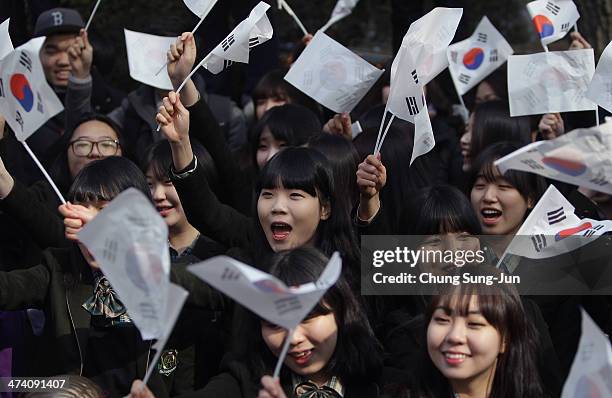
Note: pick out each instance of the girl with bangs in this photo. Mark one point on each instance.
(332, 353)
(296, 202)
(479, 343)
(502, 202)
(87, 330)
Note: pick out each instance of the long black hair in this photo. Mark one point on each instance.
(358, 355)
(344, 159)
(273, 85)
(492, 124)
(439, 209)
(516, 373)
(308, 170)
(158, 157)
(292, 123)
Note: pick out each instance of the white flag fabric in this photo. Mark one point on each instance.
(582, 157)
(129, 241)
(332, 75)
(600, 88)
(473, 59)
(406, 93)
(145, 53)
(428, 38)
(264, 294)
(342, 9)
(591, 370)
(26, 99)
(201, 8)
(6, 45)
(552, 228)
(550, 82)
(249, 33)
(553, 18)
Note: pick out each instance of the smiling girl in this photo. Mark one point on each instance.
(479, 344)
(502, 202)
(296, 203)
(332, 352)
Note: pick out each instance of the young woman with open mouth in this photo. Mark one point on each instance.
(296, 203)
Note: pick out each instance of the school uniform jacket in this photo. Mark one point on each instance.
(237, 381)
(59, 286)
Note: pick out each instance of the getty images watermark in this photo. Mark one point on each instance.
(418, 265)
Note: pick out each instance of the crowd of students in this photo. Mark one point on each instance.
(281, 190)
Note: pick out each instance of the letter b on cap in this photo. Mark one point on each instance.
(58, 18)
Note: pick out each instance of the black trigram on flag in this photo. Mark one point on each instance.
(553, 8)
(415, 76)
(19, 119)
(413, 107)
(463, 78)
(230, 274)
(493, 55)
(482, 37)
(533, 165)
(227, 43)
(110, 250)
(556, 216)
(287, 304)
(39, 103)
(565, 26)
(592, 231)
(599, 180)
(539, 242)
(25, 61)
(1, 88)
(253, 42)
(453, 55)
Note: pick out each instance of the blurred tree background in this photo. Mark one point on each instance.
(367, 31)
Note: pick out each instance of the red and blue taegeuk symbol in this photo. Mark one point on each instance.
(473, 58)
(268, 286)
(544, 26)
(20, 87)
(572, 231)
(565, 166)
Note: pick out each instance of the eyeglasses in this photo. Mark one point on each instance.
(82, 148)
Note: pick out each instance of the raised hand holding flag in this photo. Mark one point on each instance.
(26, 99)
(553, 18)
(422, 56)
(251, 32)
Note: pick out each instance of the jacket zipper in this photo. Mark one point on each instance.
(76, 336)
(148, 358)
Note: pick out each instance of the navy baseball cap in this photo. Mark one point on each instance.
(58, 20)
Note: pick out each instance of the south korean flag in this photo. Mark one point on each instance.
(26, 99)
(473, 59)
(552, 228)
(250, 33)
(553, 18)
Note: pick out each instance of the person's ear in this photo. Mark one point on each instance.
(325, 210)
(530, 203)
